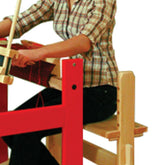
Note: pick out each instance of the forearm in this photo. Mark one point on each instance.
(5, 26)
(76, 45)
(40, 12)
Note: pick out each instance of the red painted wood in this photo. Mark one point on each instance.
(68, 115)
(16, 122)
(72, 140)
(3, 108)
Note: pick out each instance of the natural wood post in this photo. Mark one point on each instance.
(54, 145)
(125, 112)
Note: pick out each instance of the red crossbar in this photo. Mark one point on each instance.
(68, 115)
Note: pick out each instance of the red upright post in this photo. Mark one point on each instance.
(68, 115)
(3, 108)
(72, 139)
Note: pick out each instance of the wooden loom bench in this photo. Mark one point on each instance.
(120, 127)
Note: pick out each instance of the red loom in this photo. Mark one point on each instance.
(68, 115)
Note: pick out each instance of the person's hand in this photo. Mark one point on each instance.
(26, 57)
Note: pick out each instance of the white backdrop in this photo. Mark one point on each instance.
(139, 45)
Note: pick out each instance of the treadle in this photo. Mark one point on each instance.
(108, 128)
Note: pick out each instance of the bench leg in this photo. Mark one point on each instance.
(125, 112)
(129, 154)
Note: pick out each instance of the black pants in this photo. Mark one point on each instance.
(27, 149)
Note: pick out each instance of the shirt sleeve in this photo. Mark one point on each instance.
(99, 19)
(40, 12)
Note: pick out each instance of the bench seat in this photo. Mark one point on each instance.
(108, 128)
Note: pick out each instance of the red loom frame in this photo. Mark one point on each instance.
(68, 115)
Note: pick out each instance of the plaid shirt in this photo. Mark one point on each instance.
(93, 18)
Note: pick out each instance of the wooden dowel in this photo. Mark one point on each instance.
(14, 21)
(12, 31)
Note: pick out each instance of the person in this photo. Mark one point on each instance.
(86, 27)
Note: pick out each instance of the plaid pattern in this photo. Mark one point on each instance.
(93, 18)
